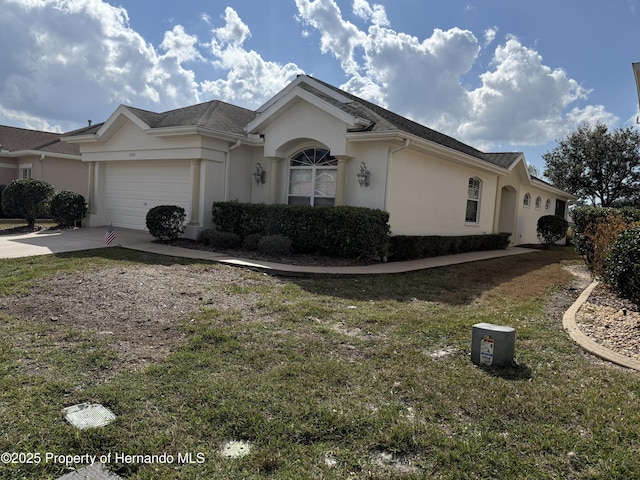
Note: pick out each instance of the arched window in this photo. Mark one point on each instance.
(312, 178)
(473, 200)
(538, 203)
(547, 205)
(527, 200)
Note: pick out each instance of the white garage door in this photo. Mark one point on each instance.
(132, 189)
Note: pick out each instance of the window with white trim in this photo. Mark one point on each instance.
(473, 200)
(538, 203)
(547, 204)
(527, 200)
(313, 175)
(25, 173)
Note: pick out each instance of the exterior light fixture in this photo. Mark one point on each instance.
(260, 175)
(364, 175)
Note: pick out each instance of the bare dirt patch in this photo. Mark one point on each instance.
(138, 310)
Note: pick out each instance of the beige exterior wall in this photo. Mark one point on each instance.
(62, 173)
(429, 197)
(8, 170)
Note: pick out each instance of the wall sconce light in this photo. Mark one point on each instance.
(364, 175)
(260, 175)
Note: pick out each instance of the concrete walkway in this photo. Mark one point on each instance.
(48, 242)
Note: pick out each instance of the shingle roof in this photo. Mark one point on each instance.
(224, 117)
(386, 120)
(17, 139)
(214, 115)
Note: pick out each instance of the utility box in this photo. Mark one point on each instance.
(492, 345)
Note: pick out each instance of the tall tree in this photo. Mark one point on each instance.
(597, 165)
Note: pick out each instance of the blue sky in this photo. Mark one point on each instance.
(500, 75)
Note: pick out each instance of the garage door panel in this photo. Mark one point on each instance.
(131, 190)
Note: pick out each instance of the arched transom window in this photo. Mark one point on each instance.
(473, 200)
(312, 178)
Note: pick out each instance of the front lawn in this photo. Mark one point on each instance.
(322, 377)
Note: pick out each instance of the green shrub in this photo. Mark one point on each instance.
(585, 216)
(347, 232)
(27, 198)
(622, 266)
(251, 241)
(217, 239)
(2, 214)
(551, 228)
(166, 222)
(408, 247)
(68, 208)
(274, 245)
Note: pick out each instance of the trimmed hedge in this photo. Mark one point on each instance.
(274, 245)
(68, 208)
(585, 216)
(347, 232)
(409, 247)
(166, 222)
(622, 266)
(217, 239)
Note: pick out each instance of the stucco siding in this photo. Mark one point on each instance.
(66, 174)
(375, 157)
(304, 121)
(529, 215)
(429, 197)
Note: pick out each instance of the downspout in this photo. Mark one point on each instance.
(227, 169)
(392, 152)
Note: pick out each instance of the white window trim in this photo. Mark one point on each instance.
(314, 169)
(478, 200)
(538, 203)
(526, 201)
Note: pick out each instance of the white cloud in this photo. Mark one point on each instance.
(490, 35)
(244, 68)
(337, 36)
(523, 101)
(376, 14)
(520, 100)
(76, 59)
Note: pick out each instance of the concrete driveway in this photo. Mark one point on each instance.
(58, 241)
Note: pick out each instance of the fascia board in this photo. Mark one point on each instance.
(309, 81)
(432, 148)
(550, 188)
(287, 100)
(23, 153)
(168, 132)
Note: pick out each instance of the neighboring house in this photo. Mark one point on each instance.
(311, 144)
(33, 154)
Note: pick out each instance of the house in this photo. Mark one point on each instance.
(310, 144)
(34, 154)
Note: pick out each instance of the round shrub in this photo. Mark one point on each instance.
(27, 198)
(275, 245)
(551, 228)
(166, 222)
(217, 239)
(622, 266)
(252, 241)
(68, 208)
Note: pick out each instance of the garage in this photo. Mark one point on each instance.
(133, 188)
